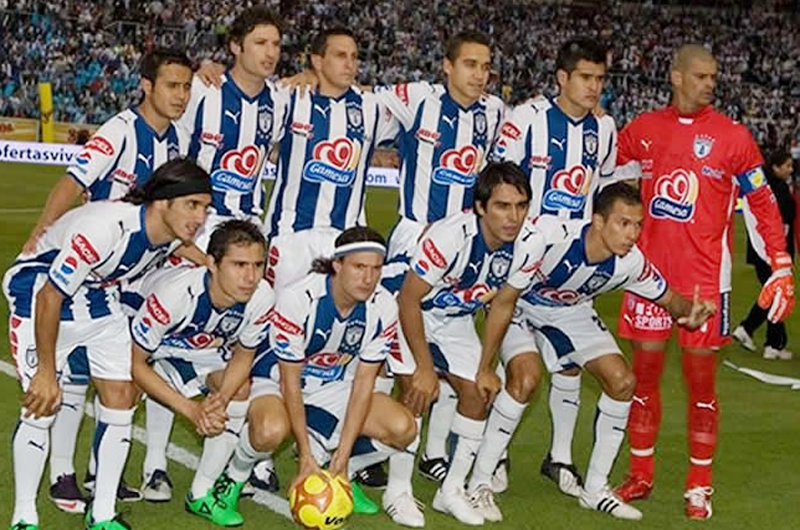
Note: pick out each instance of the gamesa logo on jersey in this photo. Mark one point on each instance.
(675, 196)
(568, 189)
(326, 366)
(237, 170)
(334, 162)
(550, 296)
(457, 166)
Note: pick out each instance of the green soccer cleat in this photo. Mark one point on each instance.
(362, 503)
(111, 524)
(22, 525)
(228, 490)
(214, 509)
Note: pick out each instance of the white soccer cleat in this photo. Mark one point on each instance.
(457, 504)
(698, 502)
(744, 338)
(157, 487)
(772, 354)
(500, 477)
(607, 502)
(482, 499)
(566, 476)
(404, 510)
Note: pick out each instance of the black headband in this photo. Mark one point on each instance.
(180, 189)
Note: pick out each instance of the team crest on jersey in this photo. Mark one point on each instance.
(568, 190)
(480, 123)
(334, 161)
(229, 324)
(457, 166)
(596, 282)
(264, 120)
(354, 333)
(238, 169)
(173, 151)
(590, 143)
(498, 267)
(702, 145)
(354, 117)
(31, 359)
(675, 196)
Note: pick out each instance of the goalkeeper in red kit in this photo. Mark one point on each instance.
(692, 163)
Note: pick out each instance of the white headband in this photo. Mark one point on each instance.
(359, 246)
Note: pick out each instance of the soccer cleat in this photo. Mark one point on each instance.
(482, 500)
(457, 504)
(66, 495)
(499, 482)
(698, 502)
(607, 502)
(262, 478)
(213, 509)
(22, 525)
(633, 488)
(228, 490)
(433, 468)
(157, 488)
(362, 503)
(373, 476)
(772, 354)
(404, 510)
(116, 523)
(125, 493)
(566, 476)
(743, 337)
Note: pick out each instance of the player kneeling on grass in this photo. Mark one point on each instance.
(553, 320)
(329, 336)
(196, 333)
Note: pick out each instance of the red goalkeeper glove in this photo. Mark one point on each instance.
(777, 295)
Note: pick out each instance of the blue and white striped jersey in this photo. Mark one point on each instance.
(231, 135)
(566, 277)
(565, 158)
(85, 254)
(179, 320)
(326, 147)
(453, 258)
(306, 327)
(123, 154)
(442, 147)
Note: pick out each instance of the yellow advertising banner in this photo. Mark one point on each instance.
(73, 133)
(46, 108)
(19, 129)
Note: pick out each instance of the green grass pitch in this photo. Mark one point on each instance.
(756, 466)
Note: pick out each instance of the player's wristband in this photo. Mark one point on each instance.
(780, 260)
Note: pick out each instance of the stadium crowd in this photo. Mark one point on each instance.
(89, 49)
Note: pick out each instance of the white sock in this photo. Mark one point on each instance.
(244, 457)
(440, 421)
(384, 385)
(467, 435)
(609, 432)
(218, 450)
(29, 445)
(112, 441)
(503, 421)
(565, 401)
(65, 430)
(159, 425)
(367, 452)
(92, 455)
(401, 468)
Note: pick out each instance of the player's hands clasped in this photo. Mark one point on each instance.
(423, 391)
(209, 415)
(43, 396)
(777, 295)
(701, 311)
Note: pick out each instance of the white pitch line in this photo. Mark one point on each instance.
(183, 457)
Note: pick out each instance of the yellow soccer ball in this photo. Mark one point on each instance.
(321, 501)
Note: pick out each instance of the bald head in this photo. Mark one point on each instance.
(684, 56)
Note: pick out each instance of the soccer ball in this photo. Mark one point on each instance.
(321, 501)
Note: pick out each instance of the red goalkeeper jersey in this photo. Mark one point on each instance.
(692, 169)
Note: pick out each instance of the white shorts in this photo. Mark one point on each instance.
(98, 348)
(453, 342)
(565, 337)
(290, 255)
(203, 235)
(401, 246)
(188, 375)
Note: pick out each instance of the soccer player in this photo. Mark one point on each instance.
(231, 129)
(568, 152)
(458, 266)
(329, 336)
(693, 162)
(554, 321)
(327, 145)
(64, 296)
(196, 334)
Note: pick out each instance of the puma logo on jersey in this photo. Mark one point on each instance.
(558, 143)
(233, 116)
(322, 110)
(146, 159)
(450, 121)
